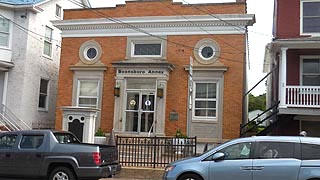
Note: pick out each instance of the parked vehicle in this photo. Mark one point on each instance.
(54, 155)
(256, 158)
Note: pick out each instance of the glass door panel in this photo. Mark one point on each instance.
(139, 111)
(132, 111)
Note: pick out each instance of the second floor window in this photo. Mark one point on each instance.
(43, 95)
(58, 11)
(88, 93)
(311, 72)
(4, 32)
(147, 49)
(310, 17)
(47, 49)
(205, 100)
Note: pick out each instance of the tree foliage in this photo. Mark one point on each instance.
(257, 102)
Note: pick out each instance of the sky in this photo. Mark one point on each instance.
(260, 34)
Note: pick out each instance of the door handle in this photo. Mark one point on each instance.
(246, 168)
(8, 155)
(257, 168)
(38, 155)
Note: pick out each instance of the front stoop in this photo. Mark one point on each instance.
(140, 173)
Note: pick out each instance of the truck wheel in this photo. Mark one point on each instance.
(62, 173)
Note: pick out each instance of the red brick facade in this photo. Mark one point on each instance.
(232, 55)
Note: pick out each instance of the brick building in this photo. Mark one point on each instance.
(132, 62)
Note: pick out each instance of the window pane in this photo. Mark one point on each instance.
(88, 88)
(31, 142)
(145, 83)
(267, 150)
(147, 49)
(201, 90)
(88, 102)
(4, 25)
(132, 101)
(44, 86)
(237, 151)
(311, 66)
(8, 141)
(48, 34)
(311, 80)
(47, 48)
(311, 9)
(310, 151)
(211, 90)
(42, 100)
(211, 113)
(311, 24)
(4, 39)
(205, 104)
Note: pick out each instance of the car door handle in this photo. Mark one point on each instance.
(8, 155)
(246, 168)
(257, 168)
(38, 155)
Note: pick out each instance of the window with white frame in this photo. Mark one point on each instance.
(151, 47)
(43, 94)
(88, 93)
(47, 49)
(311, 71)
(310, 19)
(58, 11)
(205, 100)
(4, 32)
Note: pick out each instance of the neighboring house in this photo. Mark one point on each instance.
(132, 62)
(294, 58)
(29, 61)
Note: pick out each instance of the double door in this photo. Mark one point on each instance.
(140, 111)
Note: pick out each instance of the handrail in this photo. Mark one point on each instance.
(254, 126)
(11, 119)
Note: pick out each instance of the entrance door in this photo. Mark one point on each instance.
(140, 111)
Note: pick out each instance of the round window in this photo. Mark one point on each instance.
(207, 52)
(91, 53)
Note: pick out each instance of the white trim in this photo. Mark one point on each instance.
(157, 25)
(48, 41)
(133, 43)
(302, 57)
(98, 91)
(210, 119)
(10, 32)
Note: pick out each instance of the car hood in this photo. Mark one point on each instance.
(185, 160)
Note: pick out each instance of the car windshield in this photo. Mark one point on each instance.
(66, 138)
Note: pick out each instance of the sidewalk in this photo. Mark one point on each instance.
(134, 173)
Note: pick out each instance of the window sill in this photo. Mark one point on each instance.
(47, 57)
(42, 110)
(207, 121)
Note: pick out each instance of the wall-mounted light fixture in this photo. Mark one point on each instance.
(160, 88)
(117, 89)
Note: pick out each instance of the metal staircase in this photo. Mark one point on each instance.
(250, 127)
(11, 122)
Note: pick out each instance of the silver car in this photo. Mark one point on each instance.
(253, 158)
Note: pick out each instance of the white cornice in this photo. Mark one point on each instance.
(157, 25)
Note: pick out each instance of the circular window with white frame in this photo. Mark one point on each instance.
(206, 51)
(90, 52)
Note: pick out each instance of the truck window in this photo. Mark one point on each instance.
(31, 141)
(66, 138)
(7, 141)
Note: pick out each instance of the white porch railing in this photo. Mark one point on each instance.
(303, 96)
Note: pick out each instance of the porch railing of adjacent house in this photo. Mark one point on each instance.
(303, 96)
(154, 152)
(10, 121)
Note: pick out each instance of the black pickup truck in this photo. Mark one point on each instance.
(54, 155)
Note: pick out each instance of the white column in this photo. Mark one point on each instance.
(283, 77)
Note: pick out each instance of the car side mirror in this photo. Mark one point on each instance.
(218, 156)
